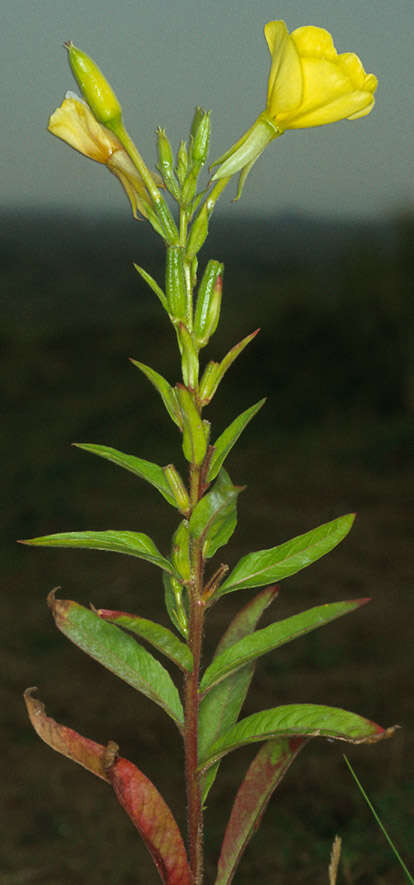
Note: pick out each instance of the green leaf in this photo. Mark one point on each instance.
(262, 641)
(214, 518)
(229, 437)
(131, 543)
(153, 473)
(119, 653)
(266, 566)
(215, 372)
(167, 393)
(175, 603)
(295, 720)
(153, 285)
(220, 708)
(160, 637)
(263, 776)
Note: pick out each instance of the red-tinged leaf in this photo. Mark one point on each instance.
(65, 740)
(265, 773)
(154, 821)
(138, 796)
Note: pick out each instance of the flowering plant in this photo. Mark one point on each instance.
(309, 85)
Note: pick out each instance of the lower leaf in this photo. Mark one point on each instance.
(265, 773)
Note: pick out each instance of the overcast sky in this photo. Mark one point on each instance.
(165, 56)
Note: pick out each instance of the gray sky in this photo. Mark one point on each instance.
(163, 58)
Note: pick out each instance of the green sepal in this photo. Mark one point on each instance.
(276, 563)
(152, 473)
(159, 636)
(176, 603)
(175, 285)
(119, 653)
(207, 312)
(220, 708)
(153, 285)
(130, 543)
(195, 440)
(214, 372)
(189, 356)
(274, 636)
(167, 393)
(214, 518)
(225, 442)
(296, 720)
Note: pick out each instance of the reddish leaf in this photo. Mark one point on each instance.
(135, 792)
(64, 740)
(154, 821)
(265, 773)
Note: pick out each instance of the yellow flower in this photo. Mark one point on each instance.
(74, 123)
(309, 83)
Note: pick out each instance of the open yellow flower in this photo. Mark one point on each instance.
(74, 123)
(309, 85)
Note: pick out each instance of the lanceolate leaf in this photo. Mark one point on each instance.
(153, 473)
(265, 773)
(119, 653)
(65, 740)
(275, 563)
(154, 821)
(296, 720)
(215, 517)
(167, 393)
(159, 636)
(131, 543)
(229, 437)
(220, 708)
(139, 797)
(261, 641)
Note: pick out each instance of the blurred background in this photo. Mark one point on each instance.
(318, 254)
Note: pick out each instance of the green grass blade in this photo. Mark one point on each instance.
(379, 822)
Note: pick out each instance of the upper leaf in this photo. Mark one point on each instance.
(159, 636)
(167, 393)
(296, 720)
(263, 776)
(262, 641)
(153, 473)
(215, 517)
(225, 442)
(119, 653)
(275, 563)
(131, 543)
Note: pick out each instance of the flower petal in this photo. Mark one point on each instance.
(285, 87)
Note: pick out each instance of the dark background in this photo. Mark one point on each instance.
(335, 357)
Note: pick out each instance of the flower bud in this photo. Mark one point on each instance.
(208, 305)
(95, 88)
(175, 283)
(178, 488)
(200, 137)
(166, 164)
(182, 162)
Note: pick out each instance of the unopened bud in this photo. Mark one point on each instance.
(208, 305)
(166, 164)
(200, 132)
(178, 488)
(95, 88)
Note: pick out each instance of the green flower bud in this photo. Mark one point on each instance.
(95, 88)
(198, 233)
(178, 488)
(166, 164)
(175, 283)
(208, 305)
(200, 132)
(182, 163)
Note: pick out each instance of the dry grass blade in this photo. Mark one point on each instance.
(335, 858)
